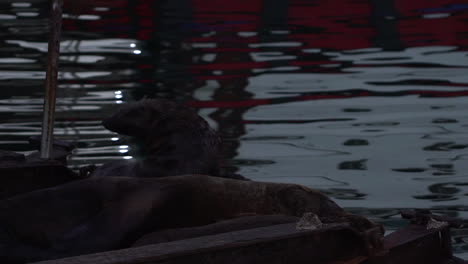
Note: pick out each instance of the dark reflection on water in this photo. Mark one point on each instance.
(356, 142)
(345, 194)
(353, 165)
(448, 190)
(366, 101)
(445, 146)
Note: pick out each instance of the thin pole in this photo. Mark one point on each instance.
(55, 27)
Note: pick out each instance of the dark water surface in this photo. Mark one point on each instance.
(365, 100)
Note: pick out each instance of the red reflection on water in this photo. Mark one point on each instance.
(445, 22)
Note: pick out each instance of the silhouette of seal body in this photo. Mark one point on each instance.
(105, 213)
(176, 140)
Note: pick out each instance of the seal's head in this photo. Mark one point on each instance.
(138, 118)
(176, 140)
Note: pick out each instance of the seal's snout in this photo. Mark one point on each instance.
(106, 124)
(130, 120)
(118, 127)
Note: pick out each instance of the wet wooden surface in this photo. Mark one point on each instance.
(413, 244)
(276, 244)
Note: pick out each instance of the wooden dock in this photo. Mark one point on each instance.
(273, 245)
(283, 244)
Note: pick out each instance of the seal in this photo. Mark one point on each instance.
(175, 141)
(106, 213)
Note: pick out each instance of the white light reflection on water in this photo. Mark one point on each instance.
(439, 55)
(40, 75)
(21, 4)
(71, 46)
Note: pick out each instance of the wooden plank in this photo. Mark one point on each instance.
(276, 244)
(413, 244)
